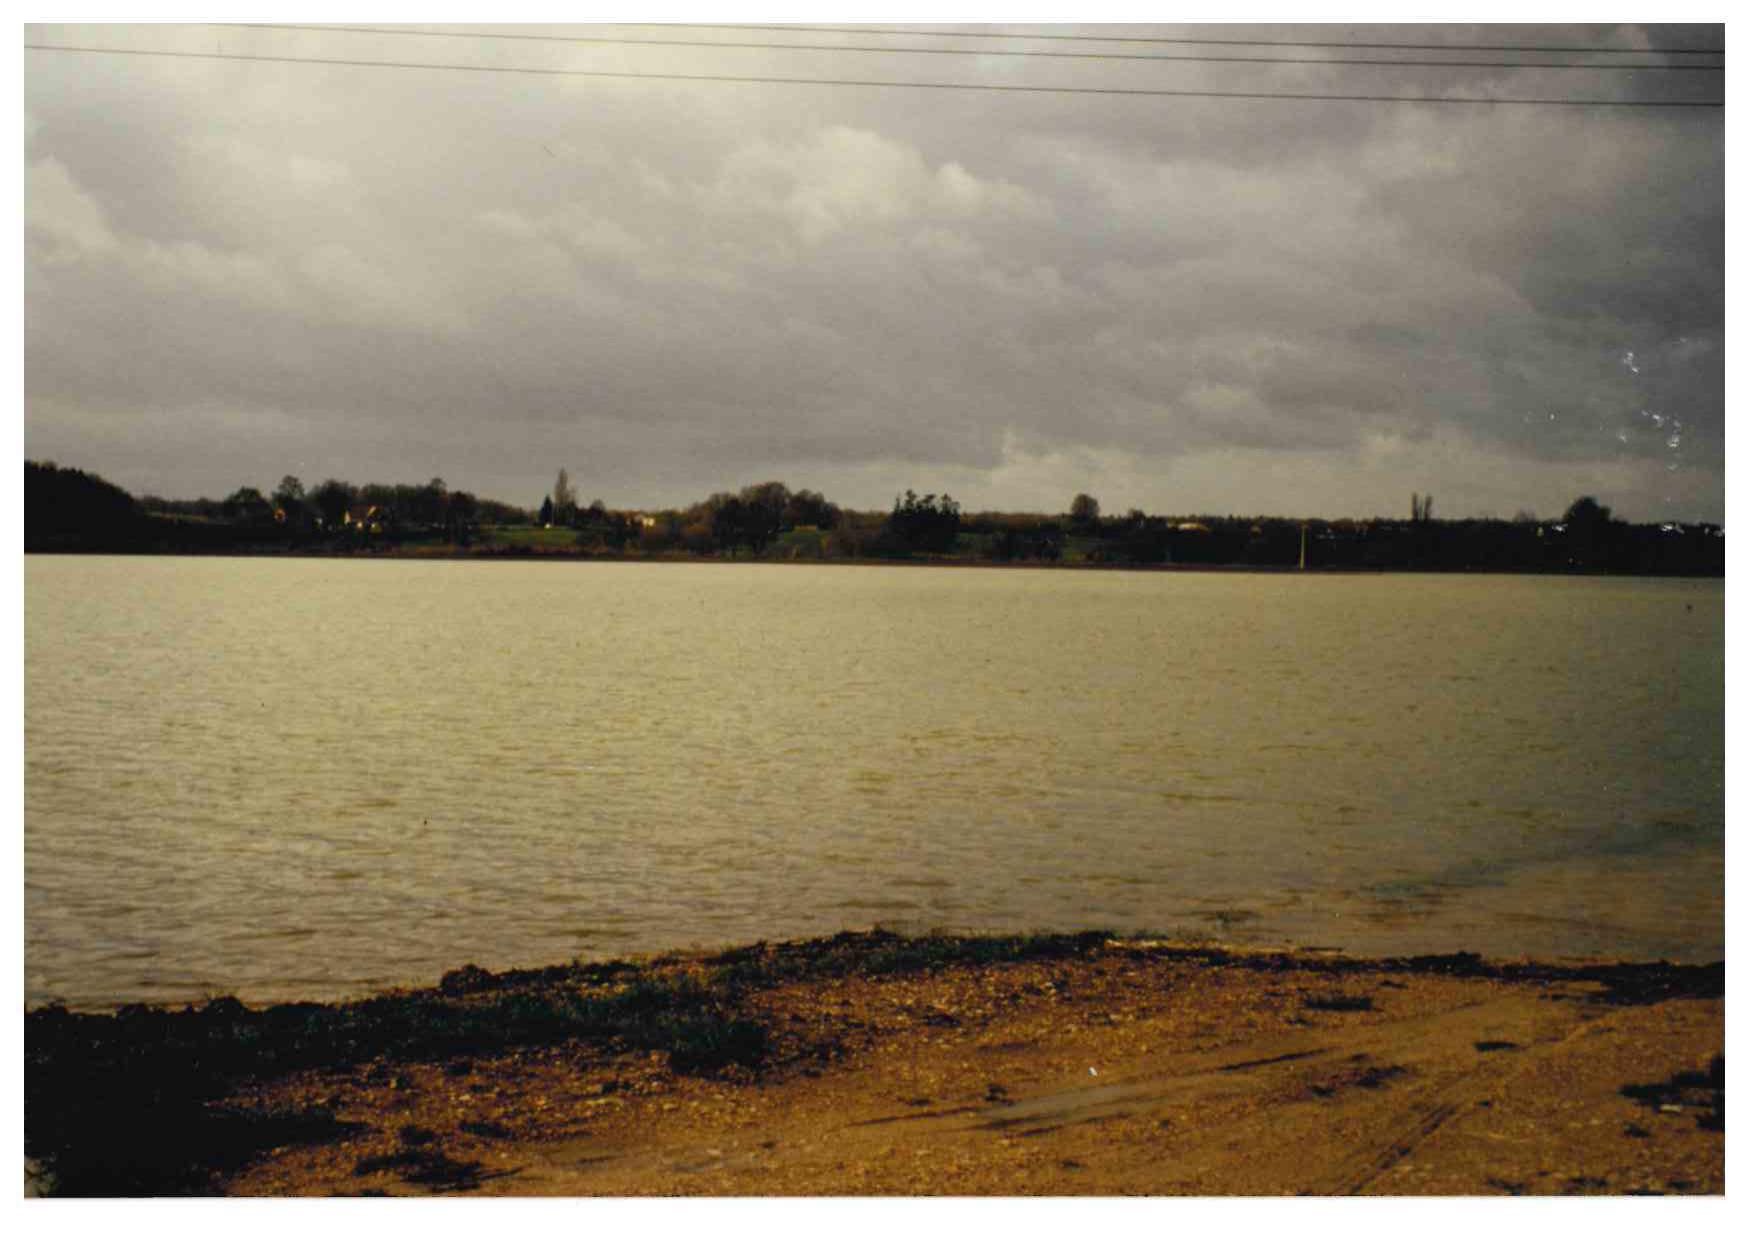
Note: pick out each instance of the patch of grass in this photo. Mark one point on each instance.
(559, 538)
(881, 953)
(710, 1043)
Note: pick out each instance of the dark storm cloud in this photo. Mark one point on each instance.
(234, 270)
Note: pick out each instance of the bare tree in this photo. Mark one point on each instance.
(564, 499)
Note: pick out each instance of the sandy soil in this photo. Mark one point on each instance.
(1135, 1072)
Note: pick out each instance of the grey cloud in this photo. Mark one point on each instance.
(674, 282)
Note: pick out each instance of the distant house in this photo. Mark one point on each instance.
(367, 518)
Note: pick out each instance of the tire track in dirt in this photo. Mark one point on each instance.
(1271, 1095)
(1431, 1107)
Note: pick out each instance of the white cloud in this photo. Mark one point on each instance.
(840, 179)
(69, 222)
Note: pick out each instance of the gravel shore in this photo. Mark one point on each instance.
(869, 1064)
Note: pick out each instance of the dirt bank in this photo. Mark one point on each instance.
(868, 1064)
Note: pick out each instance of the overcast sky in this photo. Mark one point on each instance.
(236, 270)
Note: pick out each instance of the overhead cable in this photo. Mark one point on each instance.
(615, 40)
(1118, 38)
(1009, 88)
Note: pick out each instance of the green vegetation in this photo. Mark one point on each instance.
(66, 510)
(530, 538)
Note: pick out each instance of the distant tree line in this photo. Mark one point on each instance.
(750, 521)
(926, 525)
(70, 510)
(1586, 538)
(334, 513)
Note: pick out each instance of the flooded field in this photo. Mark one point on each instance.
(311, 778)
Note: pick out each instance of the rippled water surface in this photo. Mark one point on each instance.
(311, 778)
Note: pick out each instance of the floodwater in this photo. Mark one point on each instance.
(312, 778)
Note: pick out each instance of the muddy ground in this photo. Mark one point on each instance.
(1097, 1067)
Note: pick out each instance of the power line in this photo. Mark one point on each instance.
(1117, 38)
(800, 81)
(597, 40)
